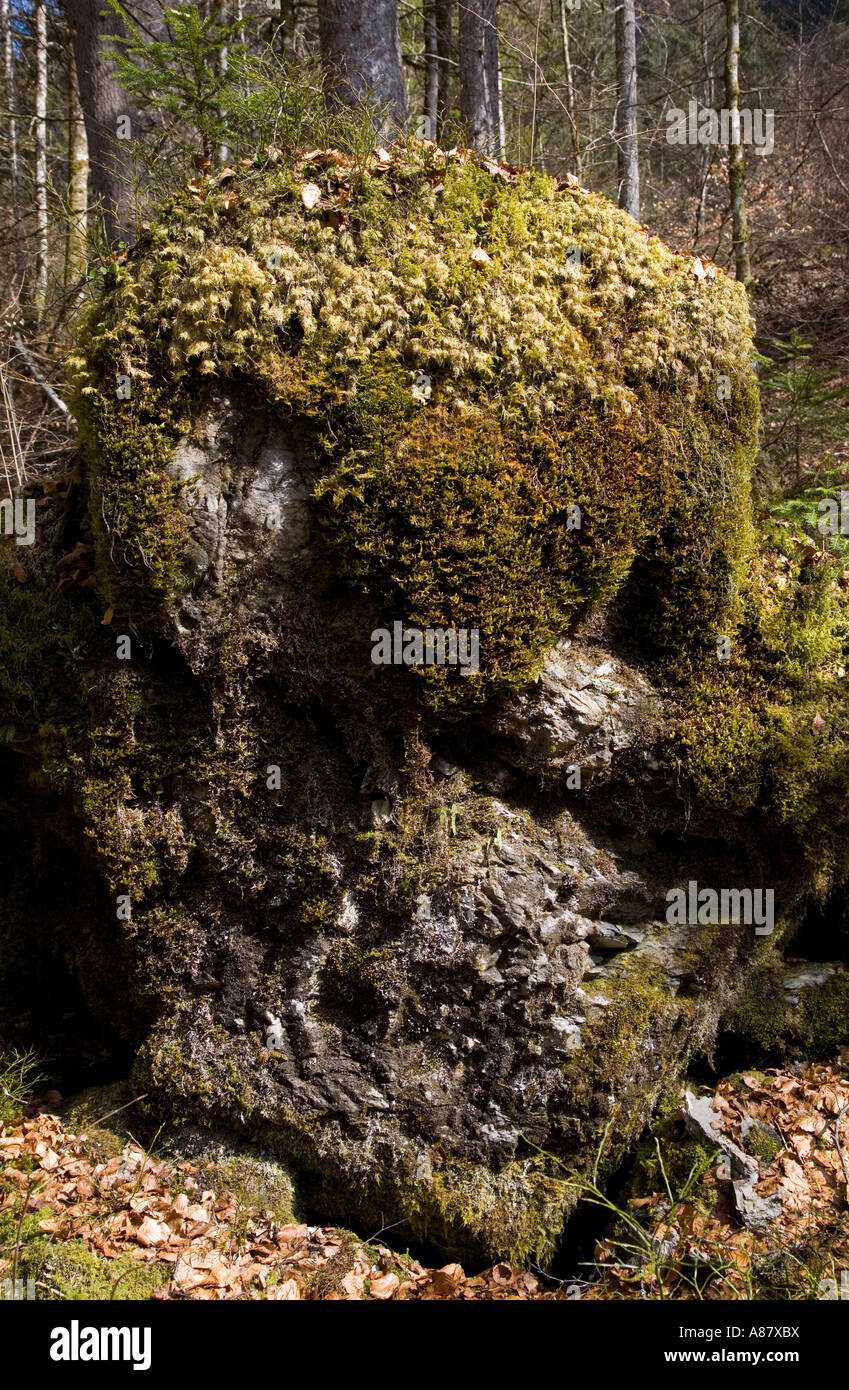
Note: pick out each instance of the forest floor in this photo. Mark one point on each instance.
(78, 1222)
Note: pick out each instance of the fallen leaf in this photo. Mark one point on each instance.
(353, 1284)
(384, 1286)
(152, 1232)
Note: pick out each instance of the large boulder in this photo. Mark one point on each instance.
(356, 912)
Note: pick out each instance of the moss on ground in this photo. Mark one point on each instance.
(69, 1270)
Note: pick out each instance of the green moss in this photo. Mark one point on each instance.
(762, 1144)
(759, 1020)
(72, 1272)
(259, 1183)
(140, 530)
(724, 744)
(771, 1029)
(825, 1013)
(516, 1214)
(549, 383)
(360, 976)
(640, 1002)
(767, 730)
(668, 1154)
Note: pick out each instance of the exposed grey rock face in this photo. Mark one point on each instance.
(803, 977)
(585, 706)
(248, 509)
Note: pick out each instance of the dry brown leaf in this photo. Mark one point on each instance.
(353, 1284)
(384, 1286)
(152, 1232)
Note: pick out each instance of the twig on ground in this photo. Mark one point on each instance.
(38, 376)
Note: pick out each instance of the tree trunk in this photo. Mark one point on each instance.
(444, 10)
(570, 86)
(42, 240)
(75, 247)
(12, 134)
(706, 150)
(104, 101)
(431, 47)
(736, 167)
(479, 106)
(361, 52)
(293, 15)
(628, 154)
(223, 59)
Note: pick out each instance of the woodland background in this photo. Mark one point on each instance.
(580, 87)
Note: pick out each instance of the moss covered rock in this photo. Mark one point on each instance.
(366, 915)
(501, 391)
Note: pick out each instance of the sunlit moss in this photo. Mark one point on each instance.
(569, 360)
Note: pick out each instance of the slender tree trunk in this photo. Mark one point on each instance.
(431, 47)
(706, 151)
(628, 154)
(437, 33)
(736, 166)
(103, 103)
(9, 89)
(444, 11)
(12, 133)
(75, 246)
(42, 237)
(479, 74)
(502, 127)
(493, 79)
(361, 52)
(294, 16)
(223, 58)
(570, 85)
(535, 96)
